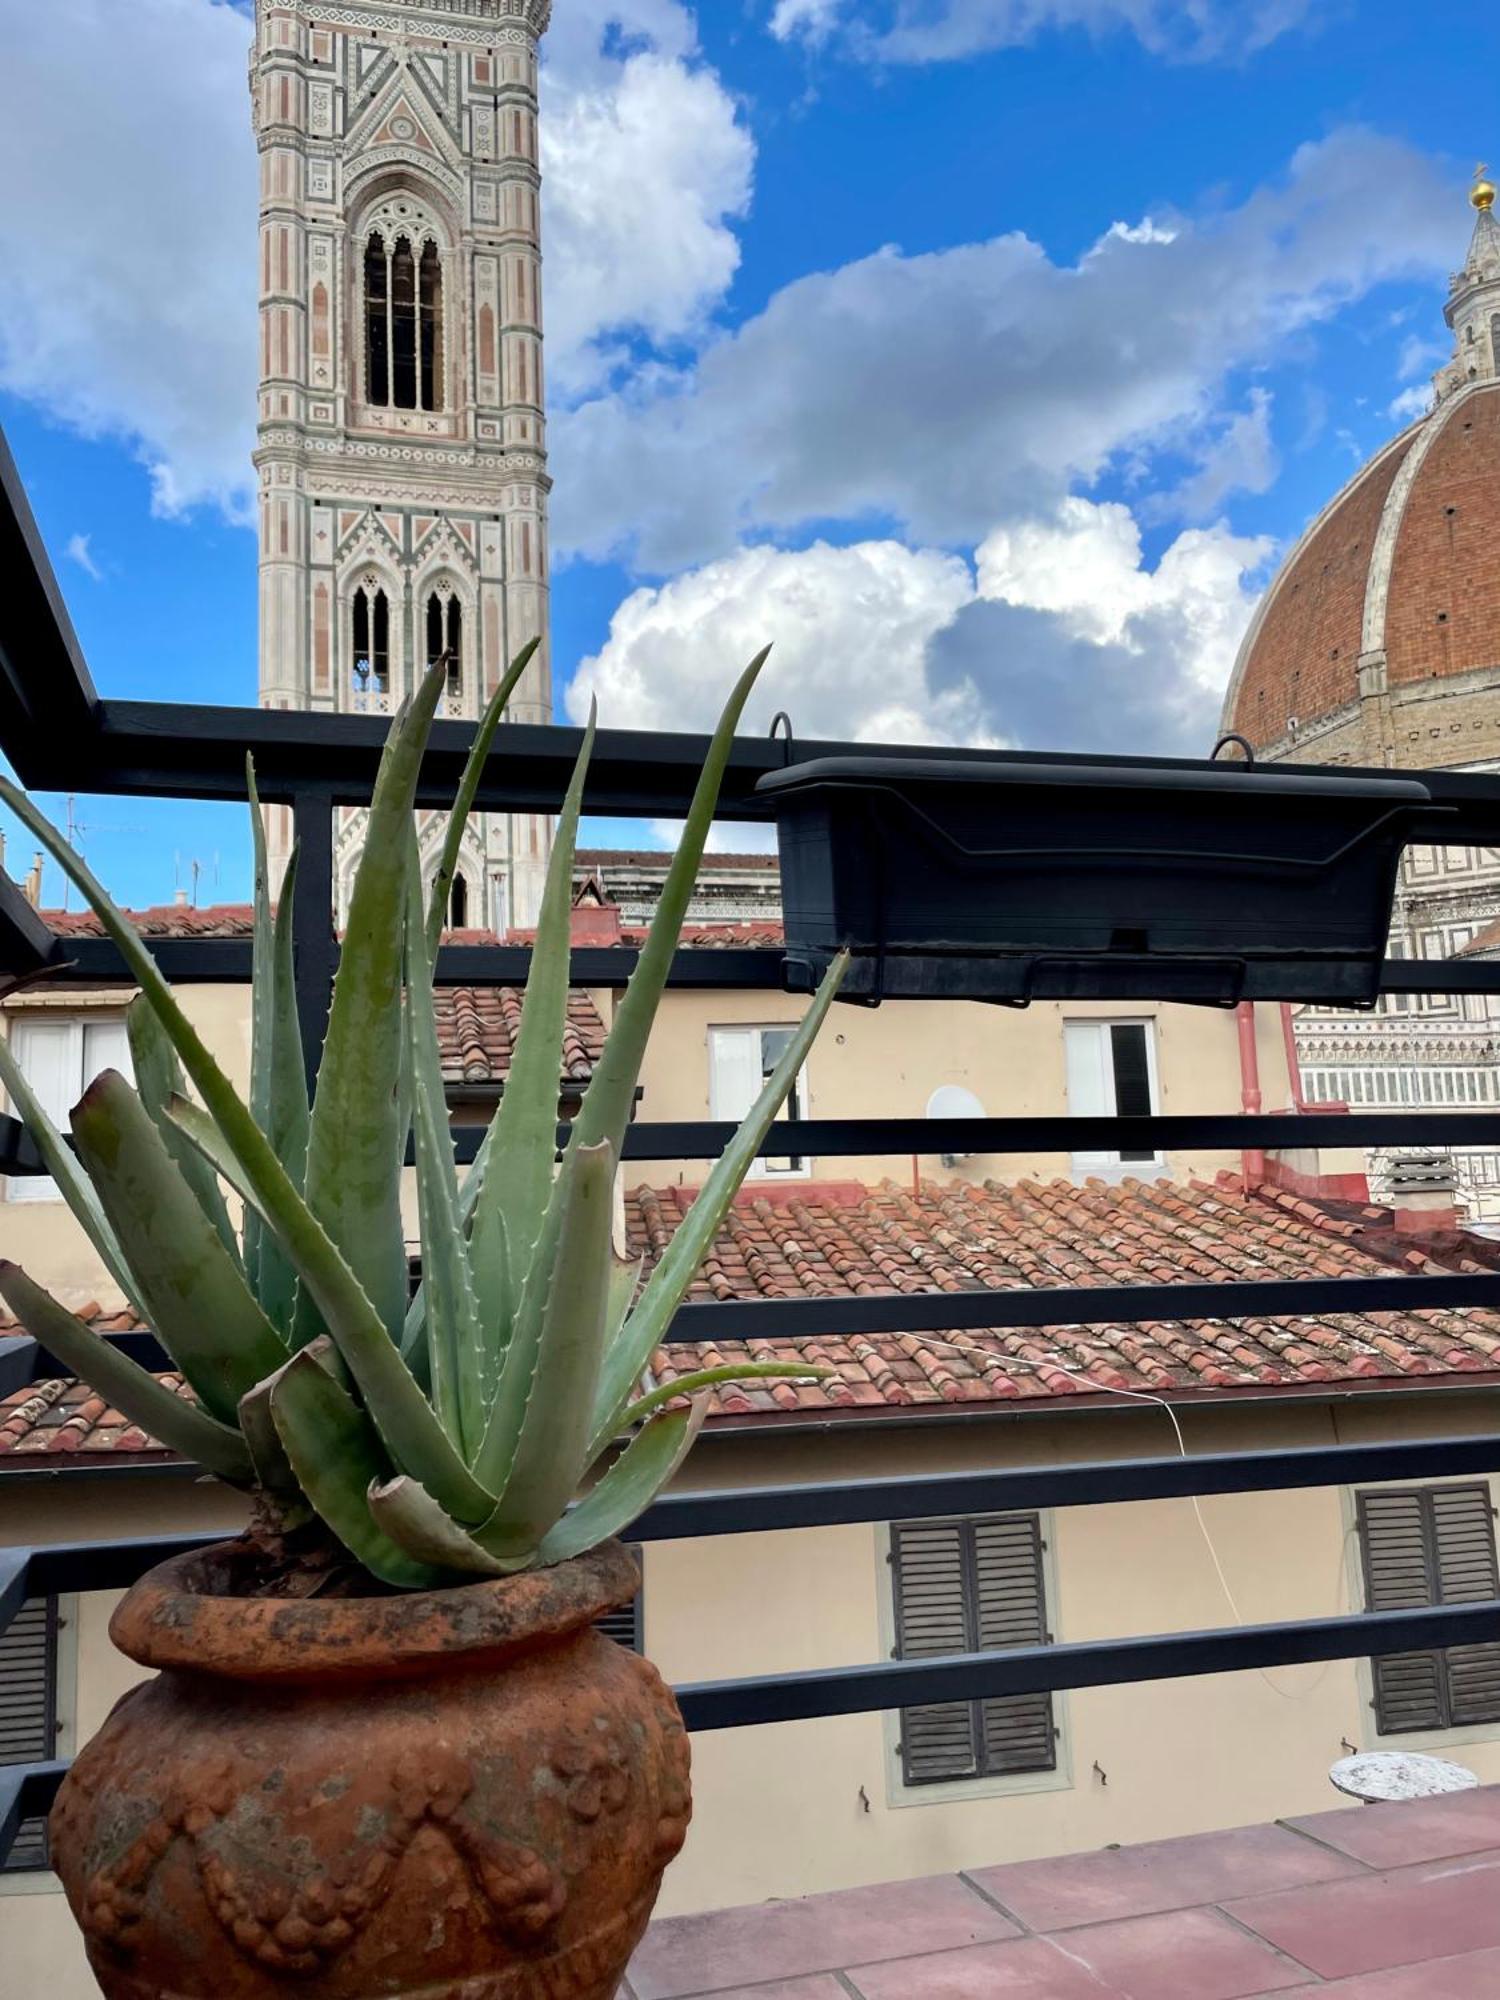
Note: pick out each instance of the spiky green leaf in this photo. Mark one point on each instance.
(158, 1410)
(463, 804)
(158, 1079)
(74, 1185)
(193, 1289)
(668, 1284)
(411, 1517)
(514, 1194)
(539, 1429)
(629, 1486)
(405, 1420)
(453, 1326)
(354, 1147)
(336, 1454)
(606, 1107)
(714, 1378)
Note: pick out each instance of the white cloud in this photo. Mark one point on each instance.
(128, 238)
(1411, 403)
(646, 166)
(924, 31)
(949, 390)
(1064, 639)
(1238, 457)
(1072, 643)
(849, 629)
(129, 303)
(78, 550)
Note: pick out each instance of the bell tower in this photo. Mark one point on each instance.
(401, 445)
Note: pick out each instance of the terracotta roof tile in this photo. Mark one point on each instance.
(477, 1028)
(832, 1240)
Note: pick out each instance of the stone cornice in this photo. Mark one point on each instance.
(529, 17)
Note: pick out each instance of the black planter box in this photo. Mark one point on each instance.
(1017, 881)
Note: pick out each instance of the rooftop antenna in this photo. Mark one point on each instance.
(952, 1100)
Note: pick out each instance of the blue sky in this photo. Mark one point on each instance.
(983, 354)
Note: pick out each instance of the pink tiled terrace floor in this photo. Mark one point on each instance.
(1398, 1902)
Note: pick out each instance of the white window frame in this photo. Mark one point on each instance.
(1106, 1165)
(1433, 1740)
(955, 1791)
(765, 1167)
(77, 1028)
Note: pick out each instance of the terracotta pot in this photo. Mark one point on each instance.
(456, 1795)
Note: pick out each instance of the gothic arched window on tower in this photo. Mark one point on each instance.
(403, 325)
(371, 634)
(445, 635)
(458, 904)
(430, 327)
(377, 323)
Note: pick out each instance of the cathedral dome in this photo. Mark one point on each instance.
(1379, 640)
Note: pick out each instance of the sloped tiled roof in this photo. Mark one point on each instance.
(1030, 1235)
(478, 1025)
(214, 920)
(821, 1240)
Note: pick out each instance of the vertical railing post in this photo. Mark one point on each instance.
(313, 936)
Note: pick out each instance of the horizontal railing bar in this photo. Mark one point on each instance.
(799, 1697)
(1078, 1305)
(843, 1138)
(61, 1568)
(985, 1309)
(26, 1792)
(179, 749)
(204, 961)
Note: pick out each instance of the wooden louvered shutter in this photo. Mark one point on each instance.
(1431, 1546)
(28, 1710)
(963, 1587)
(625, 1625)
(1464, 1539)
(1017, 1730)
(929, 1578)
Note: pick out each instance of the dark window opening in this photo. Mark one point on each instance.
(972, 1587)
(371, 634)
(377, 324)
(458, 904)
(431, 328)
(403, 326)
(28, 1713)
(1127, 1049)
(445, 637)
(1422, 1546)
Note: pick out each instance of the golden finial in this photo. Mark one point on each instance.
(1482, 194)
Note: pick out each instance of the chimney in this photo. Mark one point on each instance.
(31, 888)
(180, 899)
(594, 918)
(1423, 1194)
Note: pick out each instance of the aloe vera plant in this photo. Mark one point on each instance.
(437, 1436)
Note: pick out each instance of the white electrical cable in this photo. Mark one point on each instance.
(1013, 1363)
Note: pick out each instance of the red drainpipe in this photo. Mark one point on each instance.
(1253, 1159)
(1293, 1065)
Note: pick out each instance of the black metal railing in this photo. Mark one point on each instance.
(59, 734)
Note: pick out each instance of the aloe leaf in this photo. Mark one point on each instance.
(73, 1183)
(629, 1486)
(453, 1327)
(273, 1469)
(463, 803)
(605, 1111)
(158, 1079)
(404, 1418)
(286, 1103)
(336, 1454)
(519, 1185)
(158, 1410)
(533, 1453)
(411, 1517)
(354, 1147)
(261, 1018)
(193, 1289)
(668, 1284)
(713, 1378)
(414, 1335)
